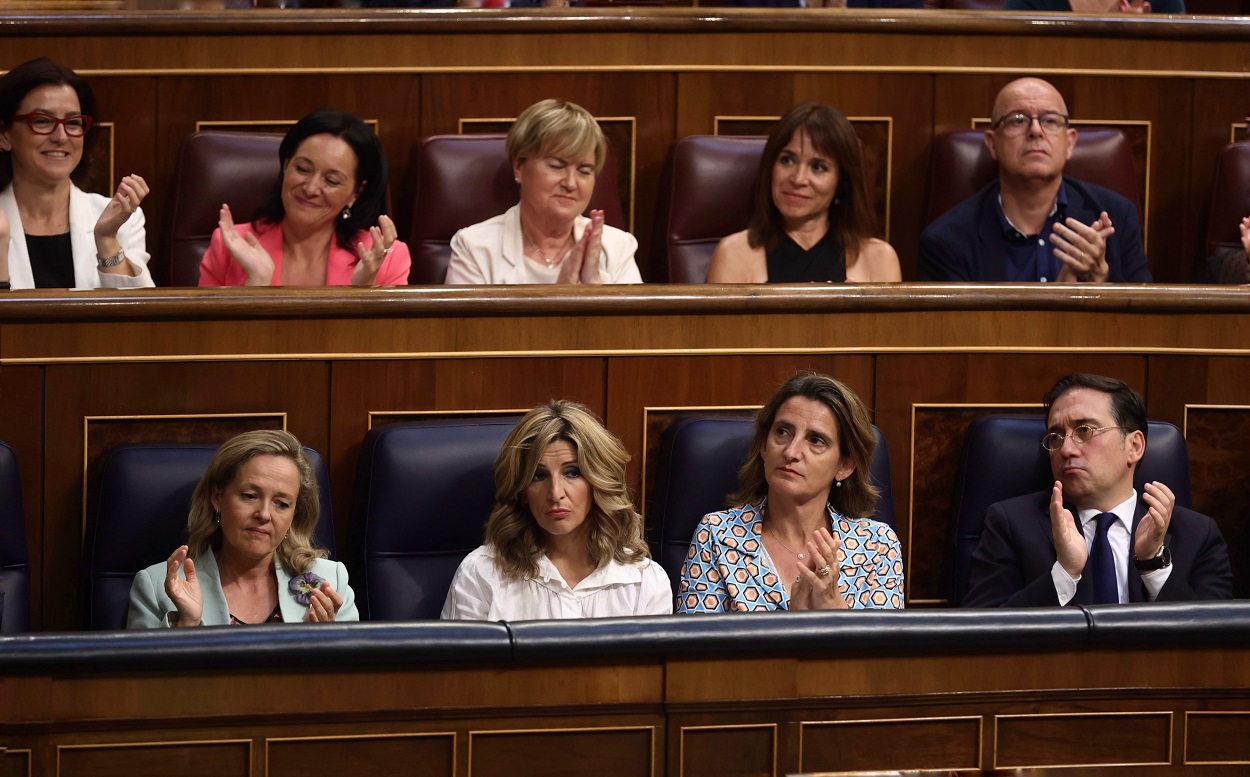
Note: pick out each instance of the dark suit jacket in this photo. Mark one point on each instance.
(966, 243)
(1011, 565)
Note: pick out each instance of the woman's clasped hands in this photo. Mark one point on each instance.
(582, 263)
(817, 586)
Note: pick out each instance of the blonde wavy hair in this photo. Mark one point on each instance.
(296, 551)
(556, 128)
(615, 526)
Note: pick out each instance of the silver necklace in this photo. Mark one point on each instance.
(549, 262)
(799, 556)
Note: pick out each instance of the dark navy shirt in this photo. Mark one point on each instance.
(1032, 257)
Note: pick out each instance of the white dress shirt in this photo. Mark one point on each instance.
(481, 591)
(1120, 537)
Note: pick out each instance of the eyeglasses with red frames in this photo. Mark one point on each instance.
(45, 124)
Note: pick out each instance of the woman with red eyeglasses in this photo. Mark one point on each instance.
(55, 234)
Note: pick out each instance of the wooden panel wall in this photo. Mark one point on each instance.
(657, 75)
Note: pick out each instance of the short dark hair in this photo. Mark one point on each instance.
(850, 218)
(26, 78)
(857, 498)
(370, 168)
(1127, 408)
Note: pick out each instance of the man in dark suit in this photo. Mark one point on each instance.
(1033, 224)
(1092, 539)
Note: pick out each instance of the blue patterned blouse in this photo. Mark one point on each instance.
(728, 570)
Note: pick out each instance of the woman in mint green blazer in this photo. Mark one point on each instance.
(249, 556)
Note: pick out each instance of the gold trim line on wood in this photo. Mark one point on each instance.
(496, 732)
(86, 432)
(445, 412)
(170, 743)
(911, 477)
(1185, 738)
(681, 741)
(1187, 408)
(1232, 130)
(1139, 350)
(397, 735)
(642, 486)
(980, 721)
(1126, 714)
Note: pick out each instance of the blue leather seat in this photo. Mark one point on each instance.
(141, 514)
(423, 494)
(1003, 458)
(14, 556)
(697, 470)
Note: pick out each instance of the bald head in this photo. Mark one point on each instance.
(1027, 91)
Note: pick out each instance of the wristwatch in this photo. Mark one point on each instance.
(1161, 560)
(113, 260)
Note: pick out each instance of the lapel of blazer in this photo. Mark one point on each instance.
(20, 275)
(82, 219)
(292, 611)
(1084, 586)
(751, 573)
(512, 249)
(216, 612)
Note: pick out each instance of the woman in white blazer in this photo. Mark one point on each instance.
(59, 236)
(557, 151)
(249, 557)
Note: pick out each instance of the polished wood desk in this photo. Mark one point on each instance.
(83, 371)
(1179, 87)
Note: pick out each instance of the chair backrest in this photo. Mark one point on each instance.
(1230, 197)
(713, 179)
(1003, 458)
(698, 468)
(14, 555)
(237, 168)
(141, 516)
(465, 179)
(961, 164)
(423, 494)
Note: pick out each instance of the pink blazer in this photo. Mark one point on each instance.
(218, 268)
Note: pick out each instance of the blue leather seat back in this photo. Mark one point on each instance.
(698, 468)
(1003, 458)
(141, 516)
(423, 494)
(14, 555)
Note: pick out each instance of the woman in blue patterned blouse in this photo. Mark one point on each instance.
(800, 538)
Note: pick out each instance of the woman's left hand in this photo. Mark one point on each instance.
(130, 192)
(582, 264)
(817, 586)
(372, 256)
(323, 603)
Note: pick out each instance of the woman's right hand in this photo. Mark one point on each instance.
(184, 593)
(246, 250)
(582, 265)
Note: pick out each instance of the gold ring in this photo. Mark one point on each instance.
(823, 571)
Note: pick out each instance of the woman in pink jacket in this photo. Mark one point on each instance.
(323, 224)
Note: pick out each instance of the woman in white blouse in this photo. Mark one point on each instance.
(557, 150)
(563, 541)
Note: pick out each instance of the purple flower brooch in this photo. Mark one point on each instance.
(304, 585)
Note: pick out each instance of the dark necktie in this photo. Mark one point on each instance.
(1102, 563)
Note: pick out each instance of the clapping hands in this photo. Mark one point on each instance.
(582, 264)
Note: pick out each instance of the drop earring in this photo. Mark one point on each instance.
(347, 213)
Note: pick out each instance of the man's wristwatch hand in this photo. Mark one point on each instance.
(1161, 559)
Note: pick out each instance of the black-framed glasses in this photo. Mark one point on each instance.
(1081, 435)
(45, 124)
(1018, 122)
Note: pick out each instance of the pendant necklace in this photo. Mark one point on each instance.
(549, 262)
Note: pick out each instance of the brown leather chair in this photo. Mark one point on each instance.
(237, 168)
(1230, 198)
(962, 164)
(713, 182)
(466, 179)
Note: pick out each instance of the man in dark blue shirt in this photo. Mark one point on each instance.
(1032, 224)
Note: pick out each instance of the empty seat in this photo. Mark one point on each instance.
(14, 555)
(698, 468)
(713, 182)
(423, 494)
(1230, 198)
(1003, 458)
(961, 165)
(141, 516)
(466, 179)
(237, 168)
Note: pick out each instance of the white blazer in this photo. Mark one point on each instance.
(84, 212)
(493, 252)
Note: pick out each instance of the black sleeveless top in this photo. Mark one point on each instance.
(789, 263)
(51, 260)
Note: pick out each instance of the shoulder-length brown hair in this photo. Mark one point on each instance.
(615, 526)
(850, 217)
(857, 497)
(296, 552)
